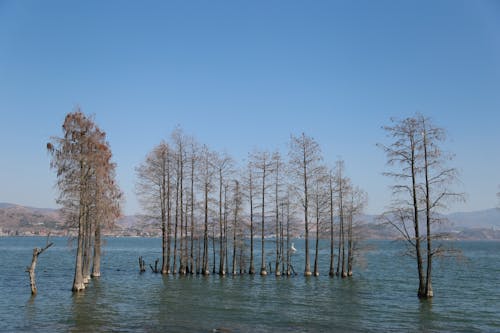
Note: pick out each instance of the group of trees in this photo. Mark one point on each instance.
(203, 202)
(212, 212)
(422, 189)
(88, 193)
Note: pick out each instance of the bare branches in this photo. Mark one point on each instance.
(423, 186)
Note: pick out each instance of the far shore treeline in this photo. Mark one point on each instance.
(213, 212)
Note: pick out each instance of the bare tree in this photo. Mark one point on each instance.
(355, 205)
(224, 168)
(305, 161)
(278, 172)
(319, 204)
(438, 178)
(422, 180)
(331, 210)
(403, 152)
(207, 172)
(343, 187)
(237, 201)
(263, 164)
(250, 189)
(154, 190)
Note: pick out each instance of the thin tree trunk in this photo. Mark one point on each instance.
(307, 269)
(332, 262)
(96, 261)
(421, 285)
(350, 245)
(221, 228)
(428, 282)
(174, 268)
(191, 268)
(205, 270)
(263, 212)
(316, 268)
(251, 270)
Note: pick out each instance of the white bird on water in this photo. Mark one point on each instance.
(293, 249)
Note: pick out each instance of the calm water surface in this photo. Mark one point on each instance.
(381, 297)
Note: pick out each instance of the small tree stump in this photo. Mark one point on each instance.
(142, 265)
(155, 269)
(31, 269)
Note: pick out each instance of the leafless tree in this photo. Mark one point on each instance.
(305, 161)
(331, 210)
(223, 165)
(343, 187)
(154, 190)
(320, 200)
(263, 164)
(278, 183)
(423, 186)
(357, 199)
(250, 185)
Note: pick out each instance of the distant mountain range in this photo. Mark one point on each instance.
(22, 220)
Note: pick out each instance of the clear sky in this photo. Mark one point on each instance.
(240, 75)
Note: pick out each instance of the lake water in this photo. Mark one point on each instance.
(380, 297)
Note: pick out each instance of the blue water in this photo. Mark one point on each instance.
(380, 297)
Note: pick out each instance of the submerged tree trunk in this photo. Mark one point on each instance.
(316, 252)
(350, 245)
(332, 262)
(31, 269)
(428, 281)
(421, 285)
(78, 284)
(205, 269)
(251, 270)
(96, 261)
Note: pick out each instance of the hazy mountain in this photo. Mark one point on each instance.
(22, 220)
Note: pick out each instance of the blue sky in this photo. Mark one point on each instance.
(240, 75)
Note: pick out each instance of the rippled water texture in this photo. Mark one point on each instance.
(381, 297)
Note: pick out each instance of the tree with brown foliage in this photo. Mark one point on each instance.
(88, 192)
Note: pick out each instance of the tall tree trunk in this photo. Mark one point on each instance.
(221, 228)
(421, 284)
(96, 261)
(226, 256)
(350, 245)
(307, 269)
(276, 207)
(163, 209)
(316, 268)
(169, 222)
(213, 249)
(191, 268)
(78, 284)
(263, 270)
(428, 282)
(251, 270)
(205, 269)
(182, 264)
(332, 263)
(174, 268)
(288, 249)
